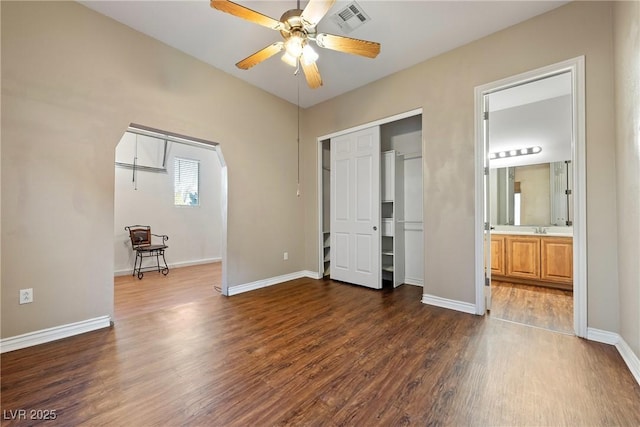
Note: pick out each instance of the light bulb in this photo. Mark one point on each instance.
(309, 56)
(513, 152)
(294, 46)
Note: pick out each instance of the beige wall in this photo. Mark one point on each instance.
(72, 80)
(535, 202)
(444, 88)
(627, 90)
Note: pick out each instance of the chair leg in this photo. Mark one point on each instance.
(140, 273)
(135, 263)
(165, 270)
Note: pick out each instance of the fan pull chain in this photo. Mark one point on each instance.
(298, 106)
(295, 73)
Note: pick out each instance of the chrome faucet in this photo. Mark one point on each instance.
(540, 230)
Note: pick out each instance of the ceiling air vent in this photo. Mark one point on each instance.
(351, 17)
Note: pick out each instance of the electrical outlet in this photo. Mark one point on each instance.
(286, 256)
(26, 296)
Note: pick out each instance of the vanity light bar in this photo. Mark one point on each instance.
(514, 153)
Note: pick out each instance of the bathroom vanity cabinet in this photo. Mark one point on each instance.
(533, 259)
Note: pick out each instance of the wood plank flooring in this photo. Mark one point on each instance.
(314, 352)
(537, 306)
(154, 292)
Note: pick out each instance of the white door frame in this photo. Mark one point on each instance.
(319, 233)
(577, 68)
(224, 205)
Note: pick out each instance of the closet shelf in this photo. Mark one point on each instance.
(388, 268)
(387, 253)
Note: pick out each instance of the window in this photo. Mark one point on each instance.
(186, 182)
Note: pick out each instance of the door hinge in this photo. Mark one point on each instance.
(567, 192)
(485, 115)
(487, 281)
(487, 227)
(486, 170)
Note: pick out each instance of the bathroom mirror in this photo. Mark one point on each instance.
(532, 195)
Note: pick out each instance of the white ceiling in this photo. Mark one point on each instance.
(409, 31)
(538, 113)
(538, 90)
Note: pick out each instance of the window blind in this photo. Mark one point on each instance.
(186, 182)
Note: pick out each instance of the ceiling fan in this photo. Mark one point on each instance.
(298, 27)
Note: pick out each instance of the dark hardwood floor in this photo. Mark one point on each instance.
(313, 352)
(533, 305)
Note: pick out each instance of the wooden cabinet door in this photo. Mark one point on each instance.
(523, 257)
(497, 255)
(557, 259)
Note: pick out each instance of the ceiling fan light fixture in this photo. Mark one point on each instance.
(297, 27)
(294, 45)
(289, 60)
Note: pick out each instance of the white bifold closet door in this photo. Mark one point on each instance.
(355, 208)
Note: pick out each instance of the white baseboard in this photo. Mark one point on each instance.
(258, 284)
(629, 357)
(414, 282)
(53, 334)
(129, 271)
(196, 262)
(464, 307)
(604, 337)
(312, 274)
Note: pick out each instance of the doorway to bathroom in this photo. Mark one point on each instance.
(532, 170)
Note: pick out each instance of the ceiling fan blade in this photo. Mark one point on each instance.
(315, 11)
(312, 74)
(348, 45)
(245, 13)
(260, 55)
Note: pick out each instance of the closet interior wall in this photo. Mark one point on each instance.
(404, 137)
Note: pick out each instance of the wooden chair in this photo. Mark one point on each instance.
(141, 237)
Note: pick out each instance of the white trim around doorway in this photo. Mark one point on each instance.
(577, 68)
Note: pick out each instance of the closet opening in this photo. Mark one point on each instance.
(381, 244)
